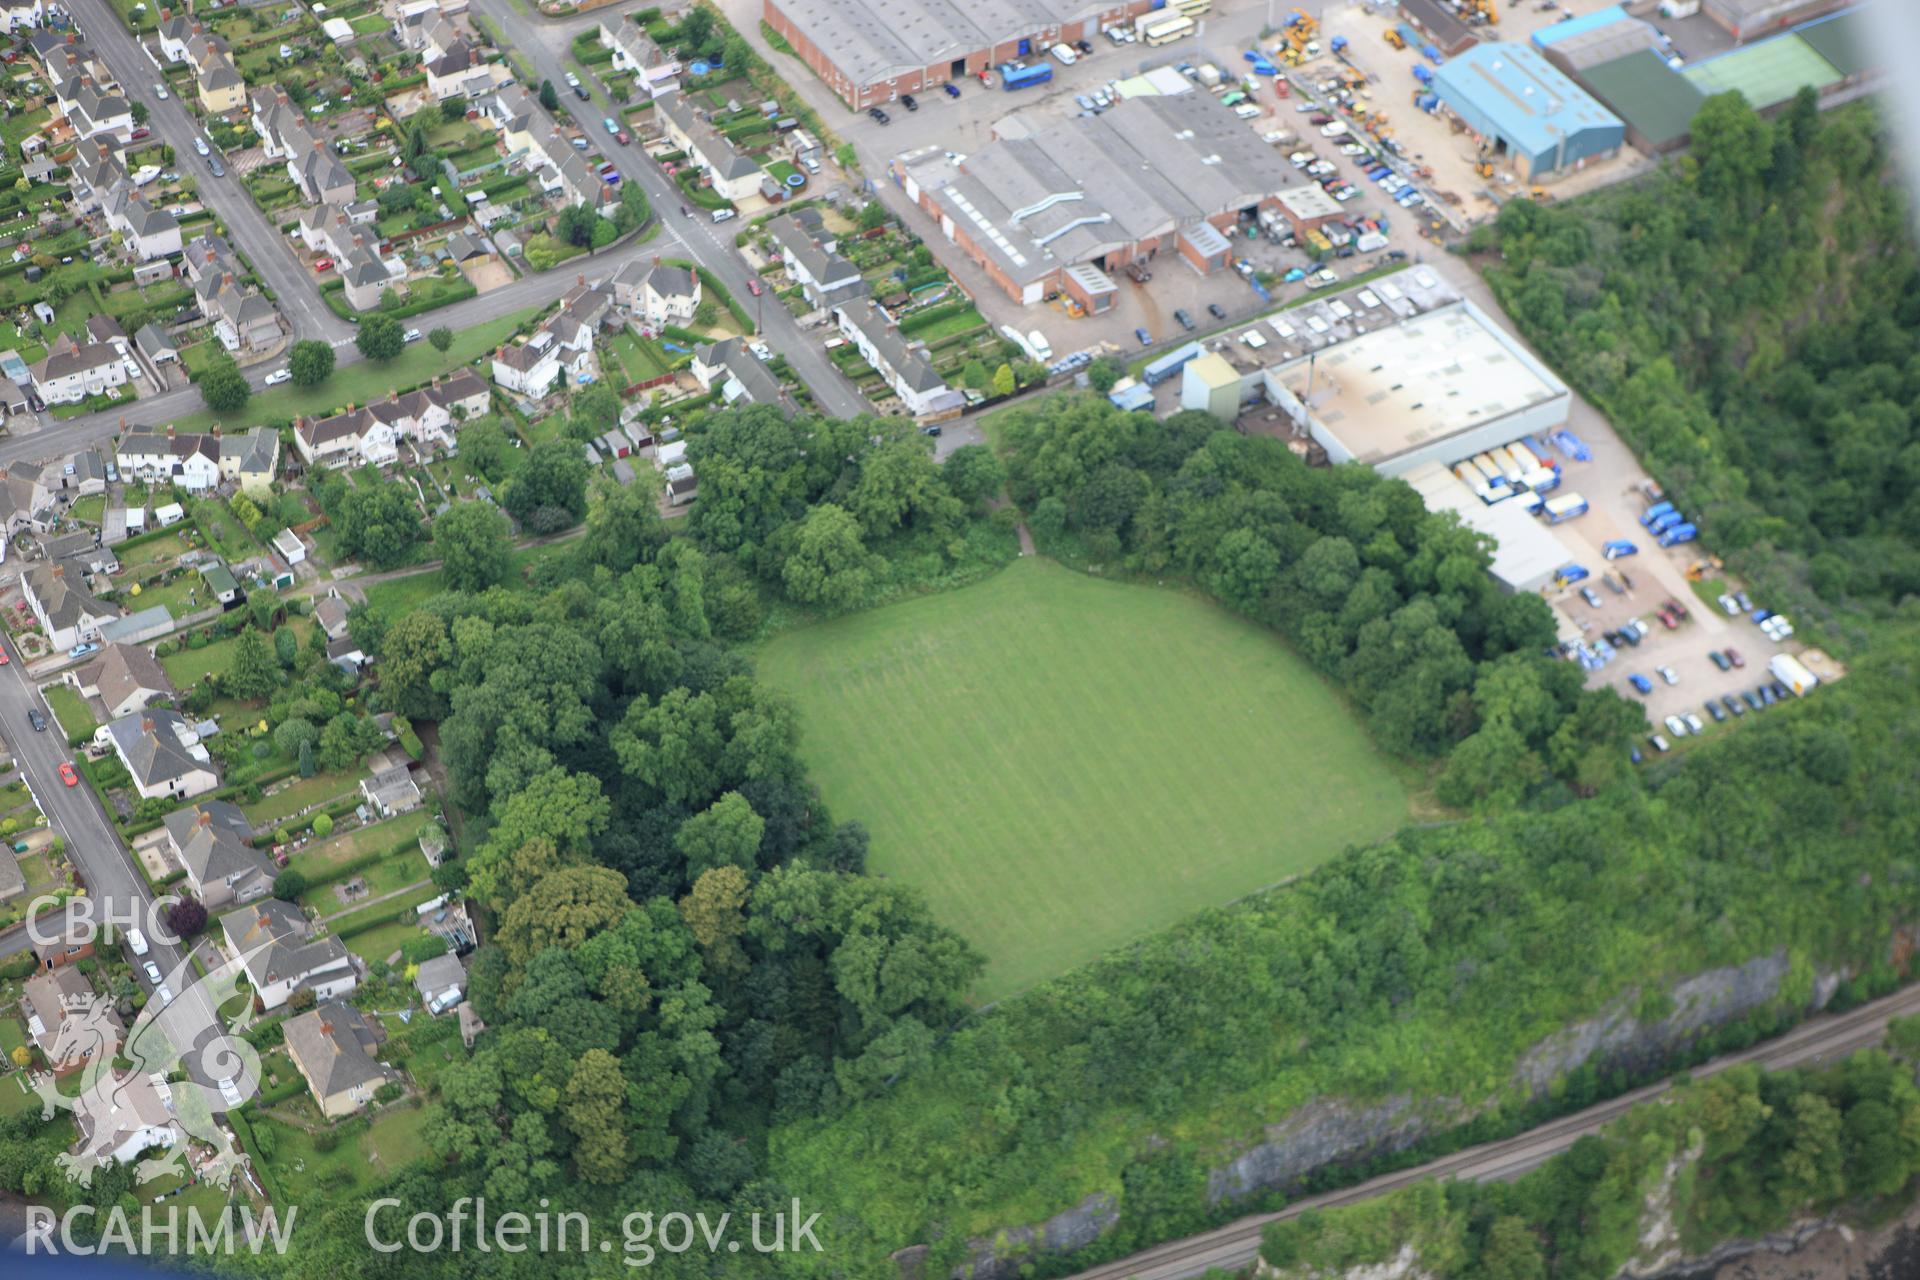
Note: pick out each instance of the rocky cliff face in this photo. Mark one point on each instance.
(1334, 1131)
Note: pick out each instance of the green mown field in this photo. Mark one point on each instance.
(1064, 764)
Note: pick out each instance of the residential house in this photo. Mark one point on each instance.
(89, 474)
(162, 753)
(57, 1002)
(391, 790)
(811, 256)
(561, 346)
(250, 460)
(20, 15)
(370, 433)
(66, 609)
(139, 1116)
(735, 175)
(333, 1048)
(346, 654)
(218, 82)
(207, 256)
(95, 170)
(92, 111)
(243, 319)
(70, 372)
(24, 504)
(211, 840)
(529, 135)
(331, 614)
(68, 931)
(457, 72)
(274, 943)
(743, 378)
(189, 459)
(905, 365)
(367, 275)
(173, 34)
(125, 678)
(656, 294)
(654, 71)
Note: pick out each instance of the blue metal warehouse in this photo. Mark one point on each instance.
(1532, 118)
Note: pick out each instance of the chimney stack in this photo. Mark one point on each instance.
(169, 431)
(146, 725)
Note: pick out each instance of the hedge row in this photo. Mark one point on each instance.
(712, 285)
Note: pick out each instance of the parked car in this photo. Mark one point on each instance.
(1752, 702)
(67, 775)
(1715, 710)
(279, 376)
(412, 335)
(1084, 46)
(1733, 656)
(1659, 743)
(953, 90)
(611, 127)
(878, 114)
(1618, 548)
(219, 170)
(200, 145)
(1217, 311)
(1668, 674)
(1676, 726)
(573, 79)
(580, 92)
(152, 971)
(1719, 660)
(1733, 705)
(37, 720)
(1146, 339)
(1640, 682)
(907, 101)
(1591, 596)
(140, 134)
(137, 942)
(82, 650)
(1183, 318)
(753, 286)
(324, 264)
(160, 92)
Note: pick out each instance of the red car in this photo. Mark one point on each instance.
(325, 264)
(1733, 656)
(141, 133)
(623, 137)
(753, 287)
(3, 658)
(68, 776)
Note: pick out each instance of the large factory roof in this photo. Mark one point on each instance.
(871, 40)
(1084, 187)
(1657, 101)
(1403, 387)
(1530, 102)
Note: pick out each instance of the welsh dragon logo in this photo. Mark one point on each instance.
(180, 1054)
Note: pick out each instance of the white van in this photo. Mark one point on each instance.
(721, 215)
(136, 942)
(1065, 54)
(1042, 349)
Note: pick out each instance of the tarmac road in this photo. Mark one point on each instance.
(116, 886)
(1825, 1037)
(248, 229)
(710, 244)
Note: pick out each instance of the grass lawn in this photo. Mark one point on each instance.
(92, 510)
(70, 709)
(324, 785)
(1064, 764)
(365, 380)
(317, 861)
(184, 595)
(189, 666)
(169, 547)
(393, 872)
(396, 596)
(310, 1176)
(15, 1095)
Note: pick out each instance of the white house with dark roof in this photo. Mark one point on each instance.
(655, 71)
(902, 363)
(735, 174)
(274, 943)
(162, 754)
(211, 840)
(65, 608)
(126, 678)
(811, 256)
(741, 376)
(561, 346)
(139, 1117)
(657, 293)
(367, 275)
(457, 72)
(71, 372)
(189, 459)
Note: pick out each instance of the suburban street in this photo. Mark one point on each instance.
(117, 888)
(248, 229)
(1823, 1038)
(545, 45)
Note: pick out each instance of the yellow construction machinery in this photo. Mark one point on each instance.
(1484, 169)
(1395, 39)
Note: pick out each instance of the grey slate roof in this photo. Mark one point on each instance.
(150, 742)
(333, 1046)
(212, 839)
